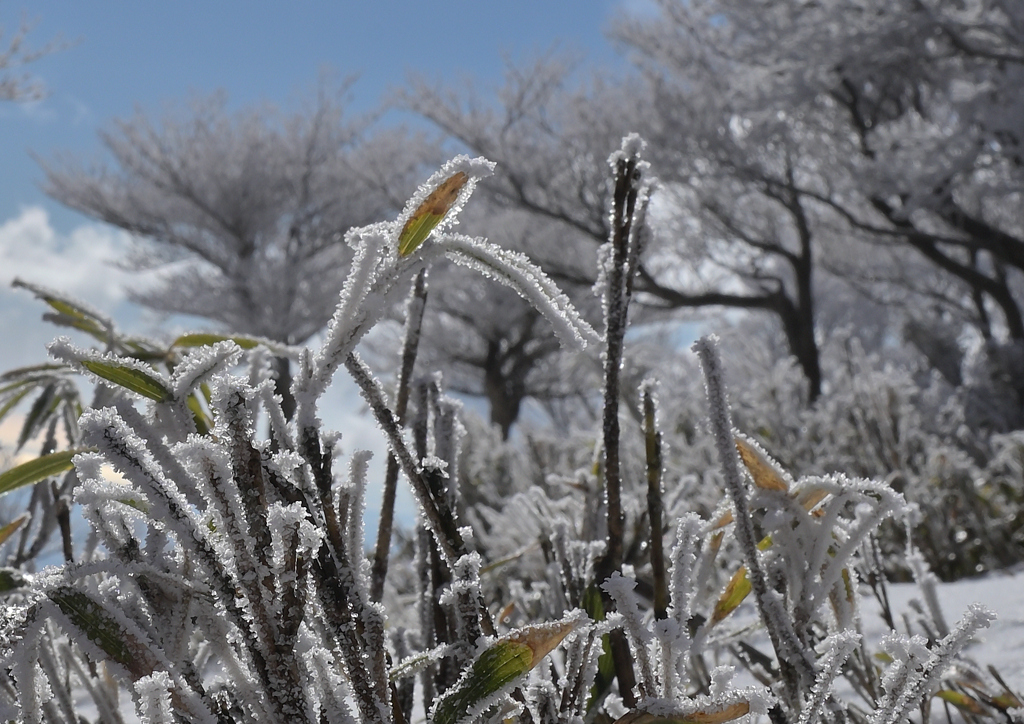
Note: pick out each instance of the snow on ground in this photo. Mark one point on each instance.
(1001, 645)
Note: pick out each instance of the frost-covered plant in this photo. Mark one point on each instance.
(225, 577)
(878, 419)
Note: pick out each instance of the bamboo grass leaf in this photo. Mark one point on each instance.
(130, 378)
(11, 528)
(497, 668)
(12, 401)
(710, 716)
(71, 313)
(91, 618)
(204, 339)
(430, 213)
(37, 415)
(23, 375)
(74, 322)
(39, 469)
(735, 591)
(203, 421)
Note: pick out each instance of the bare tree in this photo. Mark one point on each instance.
(753, 248)
(16, 84)
(244, 213)
(918, 102)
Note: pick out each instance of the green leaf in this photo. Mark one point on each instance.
(962, 701)
(71, 314)
(27, 374)
(82, 324)
(11, 528)
(12, 401)
(36, 415)
(11, 579)
(203, 422)
(92, 619)
(735, 591)
(727, 713)
(430, 213)
(130, 378)
(498, 666)
(202, 339)
(39, 469)
(72, 310)
(594, 607)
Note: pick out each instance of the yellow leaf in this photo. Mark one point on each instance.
(542, 638)
(733, 595)
(809, 498)
(1006, 701)
(506, 613)
(848, 586)
(430, 213)
(761, 468)
(725, 520)
(716, 542)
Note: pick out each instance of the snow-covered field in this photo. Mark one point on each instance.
(1001, 645)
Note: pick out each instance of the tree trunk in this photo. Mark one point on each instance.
(504, 395)
(798, 326)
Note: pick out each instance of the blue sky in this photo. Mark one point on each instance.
(136, 54)
(126, 55)
(130, 54)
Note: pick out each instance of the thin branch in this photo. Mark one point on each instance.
(413, 325)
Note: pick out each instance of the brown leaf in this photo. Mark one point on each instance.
(762, 468)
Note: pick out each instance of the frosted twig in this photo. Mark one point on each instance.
(913, 678)
(445, 531)
(798, 670)
(413, 324)
(628, 171)
(652, 437)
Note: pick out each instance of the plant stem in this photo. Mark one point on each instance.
(654, 506)
(797, 671)
(440, 517)
(616, 306)
(413, 325)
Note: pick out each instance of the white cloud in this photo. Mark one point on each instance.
(79, 264)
